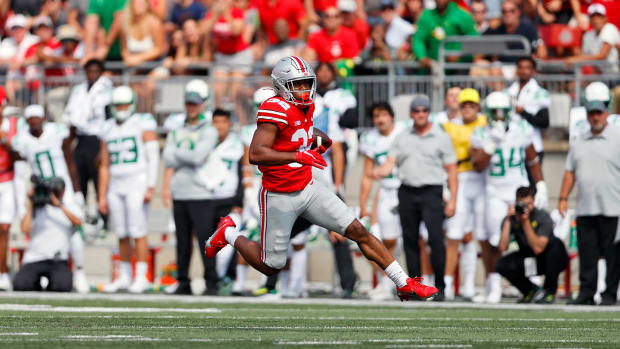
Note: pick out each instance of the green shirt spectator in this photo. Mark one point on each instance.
(105, 10)
(435, 25)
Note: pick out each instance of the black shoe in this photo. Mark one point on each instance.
(581, 301)
(183, 288)
(210, 292)
(607, 300)
(528, 297)
(439, 297)
(348, 294)
(543, 297)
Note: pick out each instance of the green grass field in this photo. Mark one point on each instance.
(120, 321)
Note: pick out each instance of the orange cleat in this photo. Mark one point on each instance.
(217, 241)
(414, 289)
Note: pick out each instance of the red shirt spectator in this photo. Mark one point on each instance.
(291, 10)
(226, 41)
(350, 20)
(333, 42)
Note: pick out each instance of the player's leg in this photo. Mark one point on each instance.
(455, 231)
(7, 214)
(298, 263)
(137, 228)
(391, 230)
(203, 216)
(324, 208)
(495, 213)
(76, 249)
(184, 246)
(118, 223)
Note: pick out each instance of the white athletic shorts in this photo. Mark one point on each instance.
(7, 202)
(496, 209)
(469, 214)
(387, 214)
(279, 211)
(128, 212)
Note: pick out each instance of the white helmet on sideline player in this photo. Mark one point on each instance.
(497, 105)
(263, 94)
(289, 70)
(597, 91)
(123, 95)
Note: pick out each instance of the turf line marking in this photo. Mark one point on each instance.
(61, 309)
(429, 346)
(19, 334)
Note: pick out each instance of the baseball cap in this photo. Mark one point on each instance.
(34, 110)
(595, 106)
(196, 91)
(10, 110)
(43, 20)
(67, 32)
(347, 5)
(597, 9)
(420, 101)
(469, 95)
(15, 21)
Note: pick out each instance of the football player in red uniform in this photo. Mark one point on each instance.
(285, 147)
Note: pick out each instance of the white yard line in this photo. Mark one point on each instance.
(19, 334)
(60, 309)
(305, 301)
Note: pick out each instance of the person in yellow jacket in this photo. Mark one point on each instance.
(469, 215)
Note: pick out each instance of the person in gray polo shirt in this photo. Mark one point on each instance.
(424, 156)
(593, 163)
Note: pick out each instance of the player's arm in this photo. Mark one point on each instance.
(73, 172)
(199, 154)
(262, 153)
(453, 184)
(247, 172)
(366, 185)
(504, 239)
(339, 165)
(166, 196)
(152, 159)
(480, 159)
(104, 178)
(533, 162)
(385, 169)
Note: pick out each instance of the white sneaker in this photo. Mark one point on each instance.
(121, 283)
(449, 293)
(382, 295)
(377, 290)
(139, 285)
(5, 282)
(479, 298)
(468, 291)
(80, 283)
(172, 288)
(494, 297)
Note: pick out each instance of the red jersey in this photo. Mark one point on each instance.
(225, 42)
(6, 160)
(343, 44)
(295, 134)
(269, 11)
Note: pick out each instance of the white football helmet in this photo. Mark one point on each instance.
(290, 70)
(263, 94)
(498, 105)
(123, 95)
(597, 91)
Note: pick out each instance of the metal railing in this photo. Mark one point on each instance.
(162, 96)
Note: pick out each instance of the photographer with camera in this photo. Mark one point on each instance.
(540, 252)
(50, 220)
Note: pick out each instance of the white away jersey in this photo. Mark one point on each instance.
(506, 170)
(532, 97)
(230, 152)
(44, 154)
(376, 146)
(125, 145)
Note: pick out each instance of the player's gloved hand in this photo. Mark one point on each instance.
(541, 200)
(321, 144)
(310, 157)
(498, 131)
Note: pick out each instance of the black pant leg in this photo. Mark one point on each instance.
(344, 264)
(410, 217)
(512, 268)
(433, 216)
(202, 214)
(183, 235)
(611, 251)
(60, 276)
(553, 261)
(28, 278)
(588, 231)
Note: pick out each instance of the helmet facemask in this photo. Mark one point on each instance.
(288, 89)
(124, 114)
